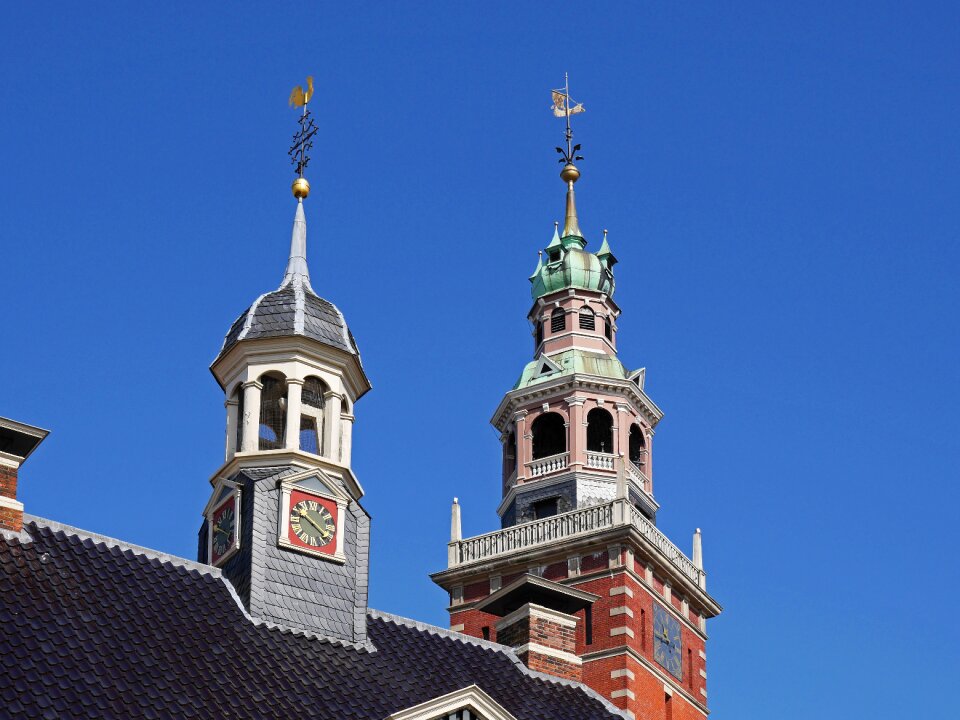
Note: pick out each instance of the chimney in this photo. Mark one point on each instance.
(17, 441)
(537, 620)
(545, 640)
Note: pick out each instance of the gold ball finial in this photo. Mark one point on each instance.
(301, 188)
(569, 173)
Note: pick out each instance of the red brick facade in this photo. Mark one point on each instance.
(614, 637)
(10, 518)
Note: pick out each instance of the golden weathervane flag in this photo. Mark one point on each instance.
(561, 102)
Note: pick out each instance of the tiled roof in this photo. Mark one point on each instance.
(92, 628)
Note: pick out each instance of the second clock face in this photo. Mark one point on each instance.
(223, 529)
(667, 648)
(312, 522)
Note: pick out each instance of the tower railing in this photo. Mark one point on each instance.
(549, 464)
(601, 460)
(638, 477)
(576, 523)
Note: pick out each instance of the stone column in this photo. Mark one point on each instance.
(622, 421)
(294, 395)
(232, 407)
(331, 425)
(577, 439)
(524, 447)
(251, 416)
(346, 437)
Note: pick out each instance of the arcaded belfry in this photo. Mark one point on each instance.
(579, 580)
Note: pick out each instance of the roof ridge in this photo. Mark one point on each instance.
(164, 557)
(497, 647)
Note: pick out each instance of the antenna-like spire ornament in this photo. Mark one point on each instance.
(302, 139)
(564, 106)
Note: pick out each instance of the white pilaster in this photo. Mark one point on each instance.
(232, 411)
(331, 425)
(294, 394)
(251, 416)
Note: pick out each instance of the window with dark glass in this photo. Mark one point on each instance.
(539, 333)
(545, 508)
(607, 329)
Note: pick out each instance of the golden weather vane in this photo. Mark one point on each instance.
(564, 106)
(302, 139)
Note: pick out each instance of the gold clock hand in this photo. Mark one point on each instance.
(315, 524)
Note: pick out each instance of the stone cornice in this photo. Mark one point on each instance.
(282, 457)
(575, 382)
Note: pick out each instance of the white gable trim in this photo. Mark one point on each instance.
(470, 698)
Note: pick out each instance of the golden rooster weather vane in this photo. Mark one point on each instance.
(302, 139)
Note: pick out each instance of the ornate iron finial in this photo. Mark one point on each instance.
(302, 139)
(563, 106)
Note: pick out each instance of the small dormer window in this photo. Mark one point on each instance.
(553, 255)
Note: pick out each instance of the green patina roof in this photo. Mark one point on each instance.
(575, 268)
(573, 361)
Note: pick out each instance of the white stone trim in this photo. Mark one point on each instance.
(552, 652)
(8, 460)
(10, 503)
(703, 655)
(537, 611)
(623, 693)
(623, 672)
(668, 690)
(470, 698)
(703, 674)
(621, 590)
(621, 631)
(457, 628)
(621, 611)
(287, 486)
(703, 692)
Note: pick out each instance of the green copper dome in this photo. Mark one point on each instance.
(568, 265)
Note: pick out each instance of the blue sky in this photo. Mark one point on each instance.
(780, 185)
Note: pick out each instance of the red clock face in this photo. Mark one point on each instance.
(314, 522)
(223, 530)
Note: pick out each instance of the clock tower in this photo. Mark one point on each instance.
(284, 520)
(579, 579)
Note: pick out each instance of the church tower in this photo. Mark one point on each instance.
(284, 520)
(579, 579)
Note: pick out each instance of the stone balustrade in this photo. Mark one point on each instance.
(579, 522)
(601, 461)
(547, 465)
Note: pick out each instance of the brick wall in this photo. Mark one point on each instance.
(10, 518)
(8, 481)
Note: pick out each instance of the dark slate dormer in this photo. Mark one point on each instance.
(280, 585)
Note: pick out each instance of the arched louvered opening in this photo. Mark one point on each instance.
(586, 319)
(638, 446)
(549, 435)
(272, 415)
(599, 431)
(311, 415)
(509, 455)
(558, 321)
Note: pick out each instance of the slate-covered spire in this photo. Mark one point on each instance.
(297, 272)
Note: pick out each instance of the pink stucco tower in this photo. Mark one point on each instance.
(579, 579)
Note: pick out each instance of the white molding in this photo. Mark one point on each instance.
(8, 460)
(621, 611)
(10, 503)
(622, 672)
(211, 508)
(621, 631)
(703, 655)
(471, 698)
(457, 628)
(703, 674)
(549, 651)
(291, 483)
(621, 590)
(623, 693)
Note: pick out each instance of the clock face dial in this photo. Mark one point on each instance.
(223, 530)
(667, 646)
(312, 523)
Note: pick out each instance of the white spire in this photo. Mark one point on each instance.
(297, 264)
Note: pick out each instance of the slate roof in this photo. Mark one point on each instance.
(292, 310)
(93, 628)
